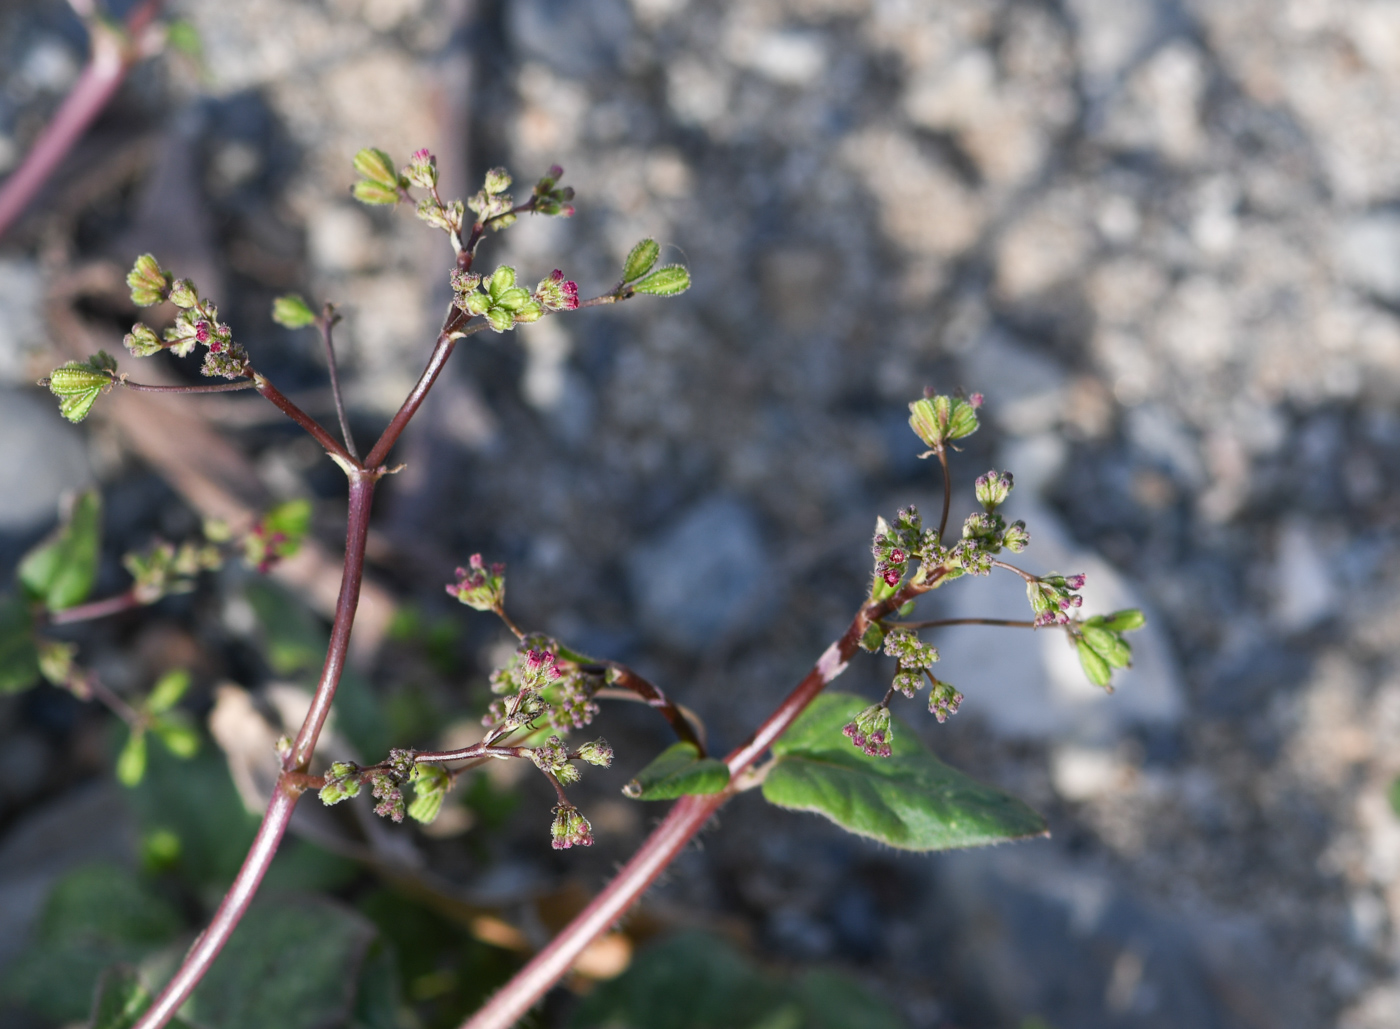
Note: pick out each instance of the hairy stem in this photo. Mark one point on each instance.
(938, 623)
(112, 55)
(326, 323)
(222, 387)
(686, 817)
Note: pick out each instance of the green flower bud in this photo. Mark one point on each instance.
(871, 731)
(498, 180)
(1108, 645)
(477, 303)
(992, 489)
(532, 311)
(1124, 621)
(512, 299)
(1095, 667)
(480, 586)
(183, 294)
(292, 311)
(430, 786)
(1015, 538)
(142, 341)
(570, 829)
(342, 783)
(150, 284)
(502, 279)
(597, 753)
(938, 420)
(422, 170)
(501, 320)
(640, 260)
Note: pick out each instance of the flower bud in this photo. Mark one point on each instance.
(943, 702)
(142, 341)
(342, 783)
(1015, 538)
(422, 170)
(992, 489)
(597, 753)
(150, 284)
(480, 587)
(497, 181)
(939, 420)
(184, 295)
(557, 293)
(230, 361)
(570, 829)
(871, 731)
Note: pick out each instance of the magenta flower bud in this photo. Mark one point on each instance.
(1075, 582)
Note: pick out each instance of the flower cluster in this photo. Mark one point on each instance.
(898, 544)
(1053, 597)
(165, 569)
(939, 420)
(534, 685)
(196, 325)
(387, 781)
(480, 586)
(504, 304)
(492, 200)
(984, 535)
(556, 293)
(993, 488)
(550, 197)
(570, 829)
(915, 657)
(552, 758)
(871, 731)
(943, 701)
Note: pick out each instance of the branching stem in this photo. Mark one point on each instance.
(939, 623)
(220, 387)
(325, 324)
(947, 491)
(95, 609)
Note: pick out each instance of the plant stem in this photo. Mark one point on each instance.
(289, 786)
(112, 56)
(222, 387)
(938, 623)
(326, 323)
(947, 492)
(95, 609)
(684, 820)
(311, 425)
(442, 350)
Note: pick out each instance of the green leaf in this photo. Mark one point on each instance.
(120, 999)
(131, 762)
(374, 193)
(95, 916)
(1095, 667)
(666, 281)
(430, 786)
(678, 770)
(909, 800)
(179, 736)
(640, 260)
(60, 571)
(874, 637)
(19, 661)
(167, 691)
(294, 962)
(292, 311)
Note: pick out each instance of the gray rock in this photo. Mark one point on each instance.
(572, 37)
(46, 459)
(1368, 253)
(701, 579)
(21, 318)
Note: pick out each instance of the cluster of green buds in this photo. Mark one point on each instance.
(1101, 646)
(984, 535)
(534, 684)
(197, 324)
(506, 305)
(480, 586)
(166, 569)
(552, 198)
(871, 731)
(553, 757)
(939, 420)
(1054, 597)
(493, 202)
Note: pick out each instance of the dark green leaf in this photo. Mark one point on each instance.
(294, 962)
(832, 1001)
(909, 800)
(19, 661)
(677, 771)
(95, 916)
(666, 281)
(60, 571)
(640, 260)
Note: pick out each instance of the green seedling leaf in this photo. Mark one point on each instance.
(640, 260)
(19, 660)
(909, 800)
(292, 311)
(168, 690)
(1095, 667)
(874, 637)
(678, 771)
(179, 736)
(667, 281)
(60, 571)
(376, 166)
(131, 762)
(374, 193)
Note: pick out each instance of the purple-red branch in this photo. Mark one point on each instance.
(113, 53)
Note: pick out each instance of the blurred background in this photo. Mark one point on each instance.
(1160, 236)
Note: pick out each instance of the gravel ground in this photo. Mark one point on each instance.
(1161, 237)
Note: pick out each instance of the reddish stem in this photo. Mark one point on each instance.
(222, 387)
(311, 425)
(111, 57)
(95, 609)
(684, 820)
(442, 350)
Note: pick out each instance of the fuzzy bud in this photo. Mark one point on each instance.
(184, 295)
(342, 783)
(227, 360)
(597, 753)
(498, 180)
(939, 420)
(422, 169)
(570, 829)
(557, 293)
(943, 702)
(480, 587)
(871, 731)
(150, 284)
(992, 489)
